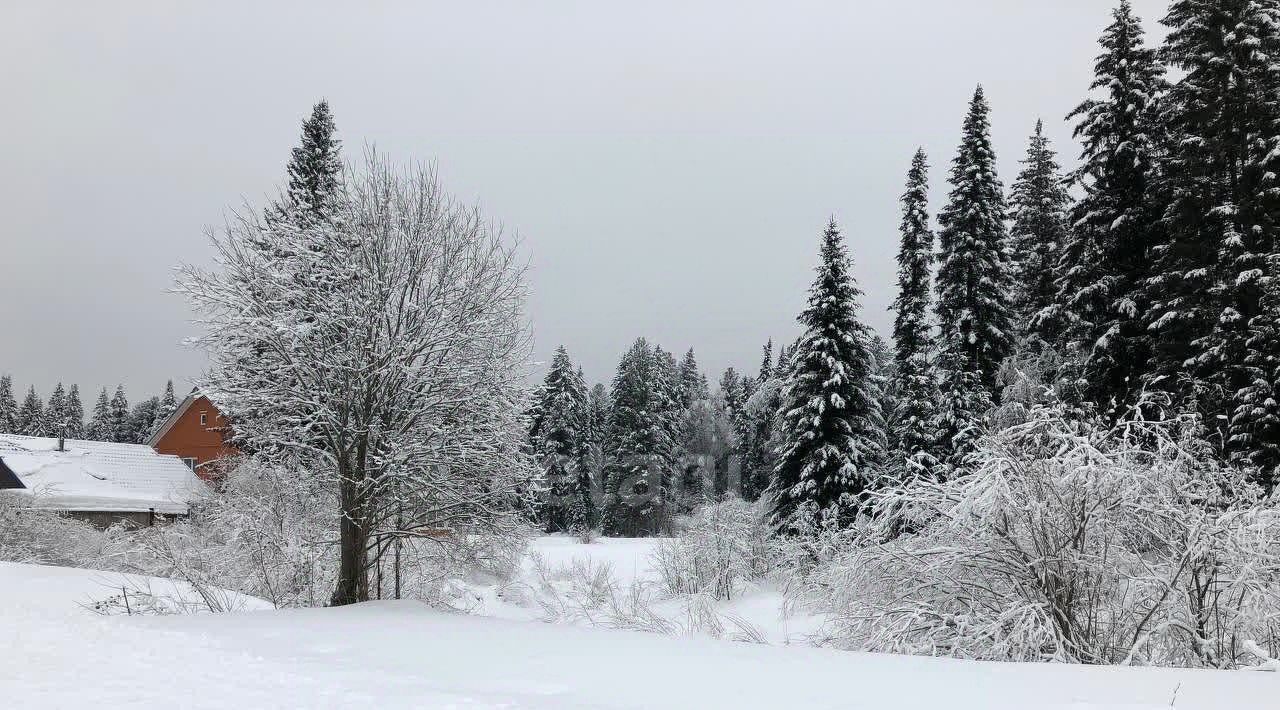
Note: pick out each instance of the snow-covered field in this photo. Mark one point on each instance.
(59, 654)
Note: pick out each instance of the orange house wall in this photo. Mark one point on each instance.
(187, 438)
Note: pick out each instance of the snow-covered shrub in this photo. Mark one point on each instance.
(38, 536)
(135, 603)
(587, 592)
(1066, 542)
(270, 531)
(572, 591)
(267, 531)
(142, 596)
(1026, 379)
(721, 548)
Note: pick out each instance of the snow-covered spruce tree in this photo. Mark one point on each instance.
(597, 441)
(1106, 259)
(829, 441)
(884, 387)
(669, 410)
(311, 195)
(764, 399)
(1039, 204)
(75, 413)
(1256, 419)
(558, 436)
(1221, 181)
(962, 404)
(168, 404)
(8, 406)
(733, 394)
(914, 348)
(708, 442)
(767, 364)
(705, 439)
(400, 375)
(31, 415)
(597, 413)
(141, 417)
(974, 283)
(56, 411)
(974, 280)
(315, 168)
(583, 513)
(99, 427)
(693, 384)
(118, 419)
(639, 442)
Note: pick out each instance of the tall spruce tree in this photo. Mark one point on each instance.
(639, 439)
(883, 383)
(56, 413)
(763, 399)
(582, 511)
(1219, 179)
(597, 414)
(99, 428)
(558, 434)
(829, 403)
(8, 406)
(1039, 203)
(314, 183)
(1106, 260)
(974, 285)
(914, 349)
(167, 406)
(315, 168)
(31, 416)
(693, 384)
(597, 440)
(734, 398)
(1255, 423)
(118, 419)
(75, 413)
(974, 280)
(669, 408)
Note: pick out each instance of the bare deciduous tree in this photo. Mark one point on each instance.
(385, 343)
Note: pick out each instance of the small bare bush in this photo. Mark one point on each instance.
(721, 548)
(587, 592)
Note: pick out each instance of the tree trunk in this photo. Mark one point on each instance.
(353, 565)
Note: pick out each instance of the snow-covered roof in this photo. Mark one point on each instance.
(99, 476)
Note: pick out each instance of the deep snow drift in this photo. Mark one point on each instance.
(404, 655)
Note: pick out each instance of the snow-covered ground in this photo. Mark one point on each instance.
(405, 655)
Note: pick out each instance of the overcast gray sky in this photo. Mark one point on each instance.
(669, 166)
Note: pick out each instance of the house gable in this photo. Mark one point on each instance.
(195, 433)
